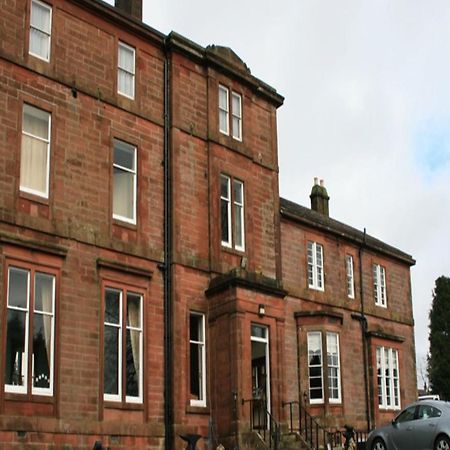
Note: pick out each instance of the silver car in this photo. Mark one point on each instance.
(424, 425)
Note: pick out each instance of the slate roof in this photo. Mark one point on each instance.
(309, 217)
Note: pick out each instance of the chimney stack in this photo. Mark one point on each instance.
(132, 8)
(319, 197)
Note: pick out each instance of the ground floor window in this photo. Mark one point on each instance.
(388, 378)
(317, 367)
(197, 359)
(30, 331)
(123, 345)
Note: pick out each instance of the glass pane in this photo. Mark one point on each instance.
(126, 58)
(195, 367)
(133, 355)
(124, 155)
(112, 306)
(236, 105)
(133, 310)
(237, 192)
(224, 187)
(123, 194)
(111, 361)
(42, 339)
(40, 17)
(238, 232)
(258, 331)
(225, 232)
(15, 361)
(33, 164)
(18, 288)
(236, 127)
(126, 83)
(43, 295)
(39, 44)
(223, 121)
(35, 122)
(223, 98)
(195, 328)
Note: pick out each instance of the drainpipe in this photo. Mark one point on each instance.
(363, 321)
(167, 267)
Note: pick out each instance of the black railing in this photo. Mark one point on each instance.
(314, 434)
(264, 423)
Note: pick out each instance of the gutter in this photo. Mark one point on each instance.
(167, 266)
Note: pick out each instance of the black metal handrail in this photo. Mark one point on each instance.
(262, 421)
(313, 433)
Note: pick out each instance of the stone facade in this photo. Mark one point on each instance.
(232, 263)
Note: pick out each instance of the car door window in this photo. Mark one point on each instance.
(428, 412)
(406, 415)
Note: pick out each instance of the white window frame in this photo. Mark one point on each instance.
(202, 346)
(315, 266)
(236, 115)
(230, 114)
(232, 205)
(126, 47)
(350, 276)
(388, 378)
(49, 34)
(310, 335)
(224, 110)
(122, 327)
(379, 285)
(23, 389)
(118, 142)
(47, 141)
(337, 367)
(264, 340)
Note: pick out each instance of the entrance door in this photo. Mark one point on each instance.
(260, 376)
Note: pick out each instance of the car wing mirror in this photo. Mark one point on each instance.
(394, 423)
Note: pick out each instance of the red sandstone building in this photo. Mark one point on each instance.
(153, 283)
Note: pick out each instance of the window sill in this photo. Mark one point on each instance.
(124, 224)
(232, 250)
(123, 406)
(197, 409)
(34, 198)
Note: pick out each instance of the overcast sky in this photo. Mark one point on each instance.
(367, 108)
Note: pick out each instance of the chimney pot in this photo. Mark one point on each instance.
(319, 198)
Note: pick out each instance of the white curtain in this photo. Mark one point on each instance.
(134, 321)
(35, 147)
(40, 30)
(123, 194)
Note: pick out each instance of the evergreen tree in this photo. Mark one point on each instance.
(439, 337)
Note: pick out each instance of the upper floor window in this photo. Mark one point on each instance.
(30, 331)
(315, 266)
(388, 378)
(316, 367)
(197, 359)
(124, 181)
(224, 113)
(40, 30)
(379, 285)
(126, 70)
(350, 279)
(232, 212)
(35, 152)
(123, 346)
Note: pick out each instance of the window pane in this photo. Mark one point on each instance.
(33, 164)
(133, 357)
(126, 58)
(223, 98)
(42, 340)
(43, 293)
(111, 360)
(112, 306)
(18, 288)
(40, 44)
(133, 310)
(236, 105)
(195, 329)
(195, 373)
(123, 197)
(237, 192)
(224, 218)
(15, 361)
(125, 82)
(259, 332)
(224, 187)
(40, 17)
(125, 155)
